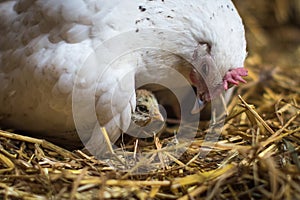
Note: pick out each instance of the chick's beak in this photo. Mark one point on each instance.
(157, 116)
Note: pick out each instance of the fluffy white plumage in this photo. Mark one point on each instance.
(44, 43)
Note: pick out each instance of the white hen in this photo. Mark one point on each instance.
(44, 45)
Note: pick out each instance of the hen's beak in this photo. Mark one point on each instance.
(199, 105)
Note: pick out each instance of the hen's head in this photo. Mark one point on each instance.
(210, 82)
(219, 56)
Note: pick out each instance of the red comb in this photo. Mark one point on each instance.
(234, 76)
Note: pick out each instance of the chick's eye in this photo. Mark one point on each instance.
(204, 69)
(142, 108)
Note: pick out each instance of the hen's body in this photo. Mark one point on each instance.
(44, 44)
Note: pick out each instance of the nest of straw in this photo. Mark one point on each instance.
(256, 157)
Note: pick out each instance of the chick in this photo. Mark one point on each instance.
(147, 109)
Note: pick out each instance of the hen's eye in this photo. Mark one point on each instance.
(142, 108)
(204, 69)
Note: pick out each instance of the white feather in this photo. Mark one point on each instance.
(45, 43)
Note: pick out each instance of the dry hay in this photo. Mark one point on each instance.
(257, 156)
